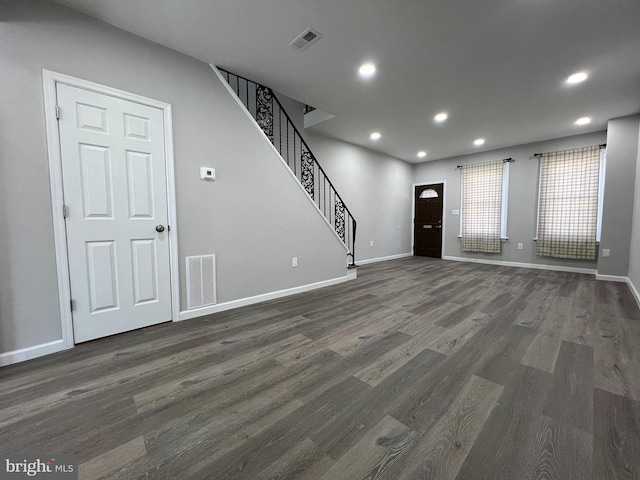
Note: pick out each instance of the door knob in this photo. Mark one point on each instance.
(159, 228)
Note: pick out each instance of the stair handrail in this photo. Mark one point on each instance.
(350, 248)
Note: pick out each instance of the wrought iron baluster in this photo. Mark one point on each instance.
(264, 110)
(307, 179)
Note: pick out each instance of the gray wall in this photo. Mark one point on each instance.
(254, 217)
(375, 187)
(617, 213)
(634, 250)
(523, 194)
(377, 190)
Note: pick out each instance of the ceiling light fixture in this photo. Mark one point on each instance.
(367, 70)
(441, 117)
(375, 136)
(422, 154)
(577, 78)
(478, 141)
(583, 121)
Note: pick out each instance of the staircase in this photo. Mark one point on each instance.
(269, 114)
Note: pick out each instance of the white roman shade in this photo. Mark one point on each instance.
(482, 191)
(568, 203)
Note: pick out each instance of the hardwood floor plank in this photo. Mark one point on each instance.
(454, 338)
(381, 446)
(374, 328)
(217, 374)
(247, 460)
(428, 320)
(441, 451)
(508, 352)
(501, 449)
(331, 375)
(558, 451)
(617, 359)
(570, 398)
(459, 314)
(348, 329)
(381, 368)
(304, 461)
(118, 458)
(543, 351)
(616, 437)
(87, 428)
(347, 427)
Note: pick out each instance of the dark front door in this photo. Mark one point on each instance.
(427, 225)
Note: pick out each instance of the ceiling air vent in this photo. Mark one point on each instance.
(306, 39)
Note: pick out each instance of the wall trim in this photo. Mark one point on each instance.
(634, 291)
(612, 278)
(30, 353)
(243, 302)
(384, 259)
(538, 266)
(275, 150)
(49, 81)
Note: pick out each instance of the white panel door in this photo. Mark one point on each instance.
(113, 170)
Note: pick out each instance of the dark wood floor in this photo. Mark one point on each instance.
(421, 368)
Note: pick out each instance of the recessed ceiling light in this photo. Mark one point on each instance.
(367, 70)
(577, 78)
(422, 154)
(478, 141)
(441, 117)
(583, 121)
(375, 135)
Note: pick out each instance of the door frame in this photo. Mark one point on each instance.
(413, 212)
(49, 81)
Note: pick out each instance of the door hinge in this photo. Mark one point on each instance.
(58, 112)
(64, 211)
(71, 305)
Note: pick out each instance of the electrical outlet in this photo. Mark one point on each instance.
(294, 262)
(520, 246)
(606, 252)
(207, 173)
(371, 243)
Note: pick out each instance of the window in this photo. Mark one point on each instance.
(429, 193)
(569, 203)
(483, 220)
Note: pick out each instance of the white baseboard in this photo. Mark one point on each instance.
(634, 290)
(242, 302)
(383, 259)
(29, 353)
(538, 266)
(612, 278)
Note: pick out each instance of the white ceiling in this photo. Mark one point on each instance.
(496, 66)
